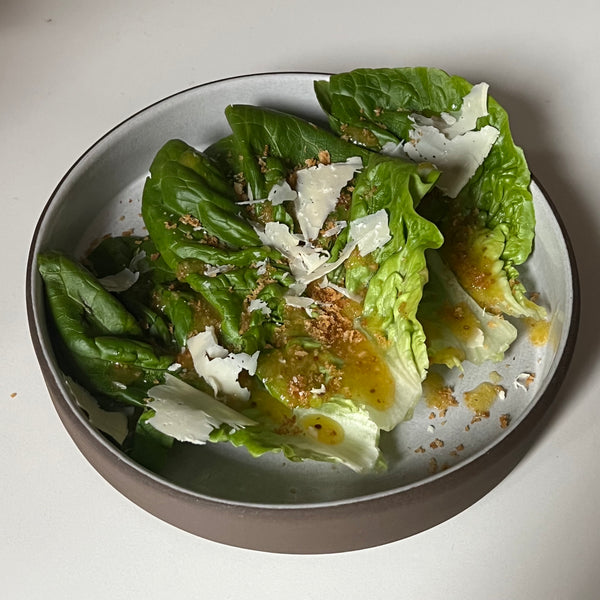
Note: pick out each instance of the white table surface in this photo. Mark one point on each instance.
(71, 70)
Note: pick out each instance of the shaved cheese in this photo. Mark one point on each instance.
(261, 267)
(327, 267)
(119, 282)
(251, 202)
(111, 422)
(370, 232)
(451, 141)
(219, 367)
(338, 288)
(474, 105)
(304, 259)
(279, 236)
(278, 194)
(337, 228)
(260, 305)
(308, 263)
(124, 279)
(318, 391)
(213, 271)
(296, 289)
(300, 302)
(392, 149)
(318, 190)
(524, 380)
(282, 192)
(457, 159)
(189, 414)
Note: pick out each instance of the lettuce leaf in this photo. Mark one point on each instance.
(456, 328)
(375, 107)
(271, 144)
(392, 277)
(338, 431)
(100, 343)
(191, 213)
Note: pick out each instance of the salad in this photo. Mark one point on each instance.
(298, 282)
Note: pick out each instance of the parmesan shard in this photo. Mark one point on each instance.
(259, 305)
(219, 367)
(452, 124)
(189, 414)
(309, 263)
(457, 159)
(300, 302)
(370, 232)
(282, 192)
(121, 281)
(304, 258)
(318, 189)
(340, 289)
(451, 141)
(337, 228)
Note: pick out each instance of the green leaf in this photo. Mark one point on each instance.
(150, 447)
(396, 275)
(379, 102)
(336, 432)
(100, 340)
(139, 256)
(174, 191)
(201, 163)
(456, 328)
(287, 141)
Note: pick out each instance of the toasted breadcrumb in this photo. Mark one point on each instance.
(331, 322)
(190, 220)
(324, 157)
(479, 416)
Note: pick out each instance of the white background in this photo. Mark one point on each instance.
(70, 71)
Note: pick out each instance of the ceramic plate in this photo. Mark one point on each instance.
(439, 463)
